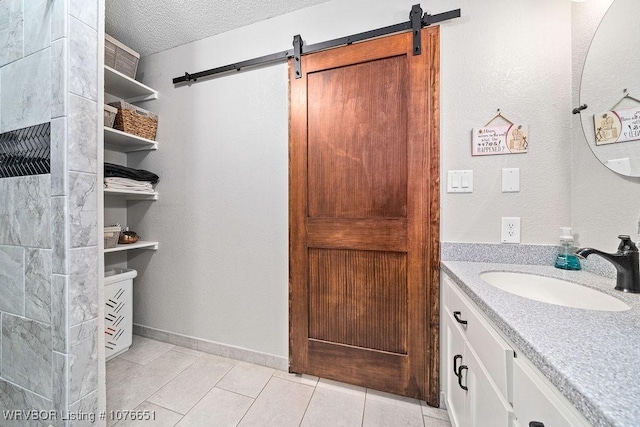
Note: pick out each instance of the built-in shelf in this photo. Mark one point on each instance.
(121, 86)
(140, 244)
(131, 195)
(125, 142)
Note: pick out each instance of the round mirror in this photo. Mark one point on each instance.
(610, 88)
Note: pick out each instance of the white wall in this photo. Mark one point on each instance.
(221, 272)
(605, 204)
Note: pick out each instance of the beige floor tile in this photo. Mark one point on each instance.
(119, 369)
(144, 350)
(282, 403)
(131, 392)
(298, 378)
(384, 409)
(188, 351)
(159, 417)
(246, 378)
(218, 408)
(432, 412)
(434, 422)
(185, 390)
(335, 404)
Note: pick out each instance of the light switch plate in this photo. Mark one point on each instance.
(460, 181)
(510, 180)
(510, 230)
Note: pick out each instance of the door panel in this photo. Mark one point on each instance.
(358, 165)
(363, 226)
(340, 280)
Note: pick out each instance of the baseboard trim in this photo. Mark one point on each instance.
(212, 347)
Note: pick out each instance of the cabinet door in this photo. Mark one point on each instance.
(496, 354)
(534, 400)
(454, 355)
(486, 406)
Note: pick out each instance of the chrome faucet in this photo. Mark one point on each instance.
(626, 262)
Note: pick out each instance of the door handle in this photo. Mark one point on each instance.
(536, 424)
(464, 387)
(456, 315)
(455, 362)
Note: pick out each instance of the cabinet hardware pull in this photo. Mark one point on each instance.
(465, 388)
(455, 362)
(457, 314)
(536, 424)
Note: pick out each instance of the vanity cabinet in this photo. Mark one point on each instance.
(486, 381)
(476, 363)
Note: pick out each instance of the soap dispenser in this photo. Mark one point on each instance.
(567, 259)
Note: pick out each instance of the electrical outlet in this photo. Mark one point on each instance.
(510, 230)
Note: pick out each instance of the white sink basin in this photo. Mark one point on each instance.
(553, 291)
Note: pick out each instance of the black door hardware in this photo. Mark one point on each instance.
(455, 362)
(464, 387)
(457, 315)
(416, 22)
(536, 424)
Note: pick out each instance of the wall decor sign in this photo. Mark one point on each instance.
(617, 126)
(507, 139)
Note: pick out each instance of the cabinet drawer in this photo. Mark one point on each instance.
(496, 354)
(535, 400)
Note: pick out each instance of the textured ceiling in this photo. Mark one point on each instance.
(150, 26)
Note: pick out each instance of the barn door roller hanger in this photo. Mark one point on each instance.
(417, 20)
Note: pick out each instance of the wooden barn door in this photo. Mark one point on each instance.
(364, 215)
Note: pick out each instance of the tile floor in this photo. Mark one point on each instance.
(189, 388)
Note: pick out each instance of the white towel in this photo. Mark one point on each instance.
(128, 184)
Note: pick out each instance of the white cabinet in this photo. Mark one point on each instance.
(536, 400)
(472, 395)
(486, 382)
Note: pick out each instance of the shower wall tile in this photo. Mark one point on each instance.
(83, 138)
(37, 25)
(59, 19)
(59, 77)
(37, 284)
(12, 279)
(59, 306)
(60, 381)
(83, 285)
(26, 92)
(11, 31)
(60, 229)
(83, 215)
(26, 354)
(85, 11)
(83, 60)
(14, 398)
(83, 360)
(25, 213)
(59, 173)
(87, 405)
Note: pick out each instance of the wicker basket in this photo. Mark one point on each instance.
(109, 115)
(135, 120)
(111, 236)
(120, 57)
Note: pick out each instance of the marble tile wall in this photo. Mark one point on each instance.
(48, 223)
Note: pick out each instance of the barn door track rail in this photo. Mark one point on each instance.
(417, 20)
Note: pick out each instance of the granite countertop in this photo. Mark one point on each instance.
(591, 356)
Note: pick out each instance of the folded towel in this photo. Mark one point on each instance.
(128, 184)
(113, 170)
